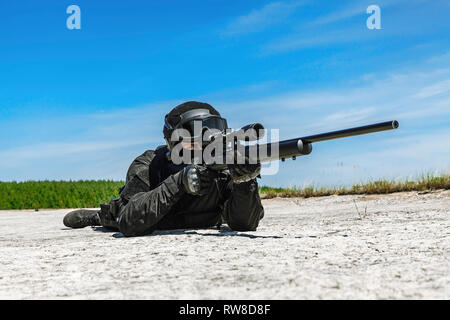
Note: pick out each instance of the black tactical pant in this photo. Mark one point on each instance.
(161, 203)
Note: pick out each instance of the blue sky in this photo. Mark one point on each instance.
(82, 104)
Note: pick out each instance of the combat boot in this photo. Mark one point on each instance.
(82, 218)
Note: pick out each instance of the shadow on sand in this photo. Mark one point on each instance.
(224, 231)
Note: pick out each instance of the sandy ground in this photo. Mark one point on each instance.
(339, 247)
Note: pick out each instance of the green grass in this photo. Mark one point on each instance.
(90, 193)
(425, 182)
(57, 194)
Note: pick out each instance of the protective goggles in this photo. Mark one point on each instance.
(195, 122)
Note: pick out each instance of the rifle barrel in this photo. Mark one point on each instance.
(302, 146)
(382, 126)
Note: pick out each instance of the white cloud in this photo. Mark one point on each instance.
(339, 15)
(259, 19)
(351, 115)
(302, 40)
(434, 90)
(358, 8)
(319, 33)
(53, 150)
(382, 97)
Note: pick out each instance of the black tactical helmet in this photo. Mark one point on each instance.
(186, 114)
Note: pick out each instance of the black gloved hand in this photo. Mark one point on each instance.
(197, 180)
(244, 172)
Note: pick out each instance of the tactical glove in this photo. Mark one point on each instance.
(244, 172)
(197, 180)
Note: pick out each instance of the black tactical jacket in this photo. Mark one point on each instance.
(154, 198)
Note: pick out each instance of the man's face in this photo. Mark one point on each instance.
(191, 145)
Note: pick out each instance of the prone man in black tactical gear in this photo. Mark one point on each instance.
(160, 194)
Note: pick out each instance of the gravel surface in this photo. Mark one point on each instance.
(338, 247)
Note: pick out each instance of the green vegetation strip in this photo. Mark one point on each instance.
(90, 193)
(57, 194)
(426, 182)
